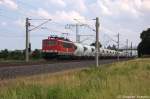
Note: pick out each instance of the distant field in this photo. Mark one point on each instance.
(118, 80)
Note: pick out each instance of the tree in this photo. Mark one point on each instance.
(113, 47)
(144, 45)
(4, 54)
(16, 55)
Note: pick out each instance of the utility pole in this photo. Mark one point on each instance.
(27, 35)
(131, 50)
(65, 35)
(77, 25)
(27, 39)
(118, 46)
(97, 41)
(127, 48)
(77, 33)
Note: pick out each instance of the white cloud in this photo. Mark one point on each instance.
(58, 2)
(116, 7)
(43, 13)
(78, 5)
(128, 17)
(68, 16)
(146, 5)
(10, 4)
(104, 6)
(61, 16)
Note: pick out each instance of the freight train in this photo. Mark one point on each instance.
(58, 47)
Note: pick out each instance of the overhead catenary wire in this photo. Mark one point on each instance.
(52, 30)
(39, 25)
(87, 25)
(94, 30)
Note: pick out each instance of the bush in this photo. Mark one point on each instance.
(36, 54)
(12, 55)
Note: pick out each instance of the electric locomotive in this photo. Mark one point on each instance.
(57, 47)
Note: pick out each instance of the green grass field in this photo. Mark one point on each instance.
(130, 78)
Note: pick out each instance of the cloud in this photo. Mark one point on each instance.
(146, 4)
(142, 4)
(58, 2)
(10, 4)
(104, 7)
(128, 17)
(77, 5)
(43, 13)
(117, 7)
(68, 16)
(61, 16)
(100, 8)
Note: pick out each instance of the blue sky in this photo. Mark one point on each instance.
(127, 17)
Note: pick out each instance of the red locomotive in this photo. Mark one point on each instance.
(57, 47)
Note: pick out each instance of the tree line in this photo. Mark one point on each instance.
(19, 54)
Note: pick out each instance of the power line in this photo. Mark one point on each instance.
(58, 23)
(110, 37)
(40, 24)
(52, 30)
(87, 25)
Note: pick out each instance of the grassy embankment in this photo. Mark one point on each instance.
(130, 78)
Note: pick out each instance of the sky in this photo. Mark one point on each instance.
(126, 17)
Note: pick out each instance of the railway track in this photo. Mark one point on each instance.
(12, 72)
(40, 62)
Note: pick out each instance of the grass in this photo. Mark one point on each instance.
(131, 78)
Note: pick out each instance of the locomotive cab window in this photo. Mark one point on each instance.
(67, 45)
(51, 43)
